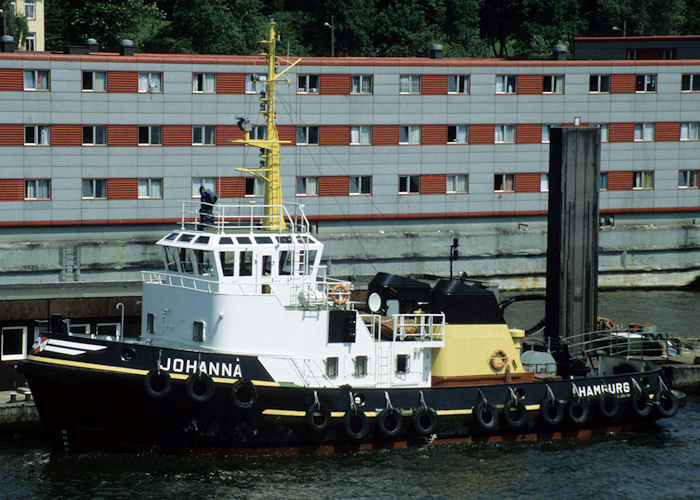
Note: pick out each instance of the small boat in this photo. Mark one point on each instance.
(248, 347)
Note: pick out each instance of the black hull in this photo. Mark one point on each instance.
(88, 407)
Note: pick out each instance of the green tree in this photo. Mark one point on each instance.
(462, 29)
(56, 16)
(14, 24)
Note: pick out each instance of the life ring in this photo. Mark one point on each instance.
(551, 411)
(390, 422)
(356, 424)
(157, 383)
(641, 405)
(318, 417)
(244, 394)
(578, 410)
(486, 415)
(425, 420)
(514, 413)
(340, 294)
(498, 360)
(608, 405)
(200, 387)
(666, 403)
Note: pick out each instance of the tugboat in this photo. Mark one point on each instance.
(248, 347)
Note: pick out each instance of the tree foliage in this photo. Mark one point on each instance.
(465, 28)
(15, 24)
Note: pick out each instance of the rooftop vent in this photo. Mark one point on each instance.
(436, 51)
(126, 48)
(559, 52)
(7, 43)
(92, 45)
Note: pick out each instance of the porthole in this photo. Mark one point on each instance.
(128, 354)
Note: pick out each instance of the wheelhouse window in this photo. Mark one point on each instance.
(504, 183)
(94, 189)
(361, 184)
(504, 134)
(457, 134)
(150, 188)
(457, 183)
(599, 84)
(204, 83)
(254, 187)
(361, 135)
(409, 184)
(94, 81)
(506, 84)
(13, 343)
(645, 83)
(690, 82)
(690, 131)
(151, 135)
(360, 366)
(307, 135)
(37, 189)
(94, 135)
(644, 132)
(37, 80)
(245, 259)
(688, 179)
(37, 135)
(643, 180)
(307, 186)
(205, 182)
(409, 84)
(458, 84)
(361, 84)
(409, 134)
(308, 84)
(150, 82)
(553, 84)
(204, 135)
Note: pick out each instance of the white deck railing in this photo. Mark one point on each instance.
(288, 217)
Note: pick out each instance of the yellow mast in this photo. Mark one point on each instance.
(269, 170)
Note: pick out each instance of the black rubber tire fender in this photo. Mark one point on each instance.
(641, 404)
(515, 413)
(200, 387)
(318, 417)
(390, 422)
(666, 403)
(486, 415)
(356, 424)
(578, 409)
(551, 411)
(157, 385)
(608, 405)
(425, 420)
(244, 394)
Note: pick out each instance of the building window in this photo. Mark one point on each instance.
(604, 131)
(13, 342)
(457, 134)
(204, 83)
(504, 134)
(643, 132)
(37, 189)
(409, 134)
(690, 82)
(690, 131)
(254, 186)
(150, 188)
(36, 80)
(544, 183)
(643, 180)
(205, 182)
(360, 366)
(603, 181)
(307, 186)
(360, 184)
(198, 331)
(150, 323)
(409, 84)
(669, 53)
(252, 83)
(688, 179)
(361, 135)
(308, 84)
(553, 84)
(458, 84)
(645, 83)
(457, 184)
(204, 135)
(506, 84)
(30, 41)
(151, 135)
(546, 129)
(599, 84)
(94, 189)
(402, 364)
(409, 184)
(361, 84)
(504, 183)
(150, 82)
(332, 367)
(95, 135)
(30, 9)
(307, 135)
(94, 81)
(37, 135)
(258, 132)
(631, 54)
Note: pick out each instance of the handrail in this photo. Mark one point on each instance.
(410, 326)
(251, 217)
(617, 342)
